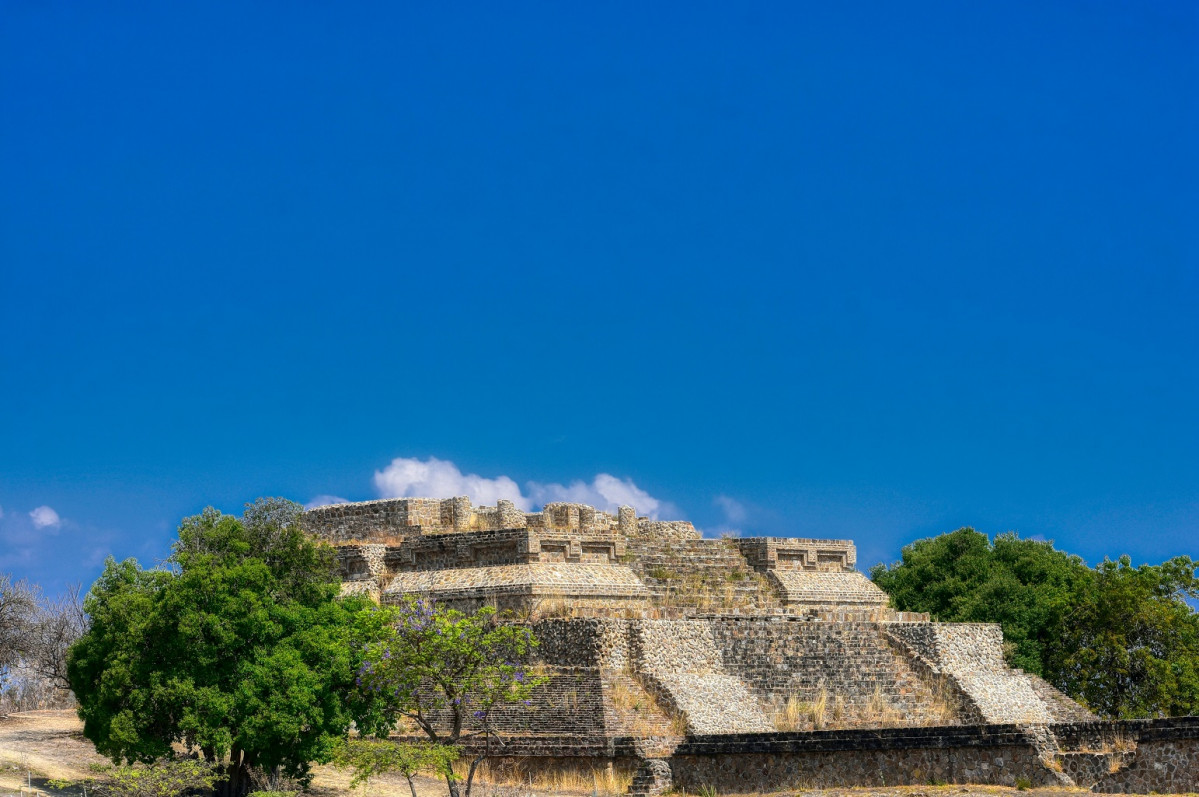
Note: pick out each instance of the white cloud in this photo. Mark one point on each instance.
(325, 500)
(605, 492)
(436, 478)
(45, 518)
(734, 511)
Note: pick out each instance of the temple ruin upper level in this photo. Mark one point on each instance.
(587, 558)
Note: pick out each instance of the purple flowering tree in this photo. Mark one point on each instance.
(447, 672)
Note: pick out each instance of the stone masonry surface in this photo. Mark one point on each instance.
(741, 664)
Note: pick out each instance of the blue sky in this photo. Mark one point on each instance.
(867, 270)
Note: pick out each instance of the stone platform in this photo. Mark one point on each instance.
(720, 658)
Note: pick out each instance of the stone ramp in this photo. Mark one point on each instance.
(970, 655)
(1057, 703)
(680, 664)
(1004, 697)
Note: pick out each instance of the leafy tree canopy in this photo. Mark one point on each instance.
(369, 758)
(1024, 585)
(238, 650)
(1131, 646)
(445, 672)
(1121, 639)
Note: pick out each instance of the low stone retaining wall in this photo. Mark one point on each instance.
(1136, 756)
(999, 755)
(1139, 756)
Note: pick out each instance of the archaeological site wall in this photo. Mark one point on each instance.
(737, 664)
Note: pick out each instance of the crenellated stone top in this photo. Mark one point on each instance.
(392, 518)
(450, 548)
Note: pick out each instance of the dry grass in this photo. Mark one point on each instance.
(944, 705)
(678, 725)
(824, 711)
(795, 714)
(1123, 743)
(881, 713)
(552, 609)
(606, 780)
(641, 713)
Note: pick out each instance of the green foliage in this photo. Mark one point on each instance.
(1121, 639)
(367, 758)
(239, 652)
(1131, 648)
(432, 660)
(168, 777)
(1026, 586)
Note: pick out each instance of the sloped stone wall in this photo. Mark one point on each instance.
(971, 656)
(679, 661)
(859, 673)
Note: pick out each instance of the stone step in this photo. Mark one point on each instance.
(1086, 769)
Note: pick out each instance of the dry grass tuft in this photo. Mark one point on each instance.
(881, 713)
(552, 609)
(579, 780)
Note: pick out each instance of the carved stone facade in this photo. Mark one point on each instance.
(596, 562)
(743, 664)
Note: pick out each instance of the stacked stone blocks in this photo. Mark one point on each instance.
(674, 653)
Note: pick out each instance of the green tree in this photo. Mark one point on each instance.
(1120, 639)
(239, 651)
(369, 758)
(1027, 586)
(168, 777)
(447, 673)
(1131, 645)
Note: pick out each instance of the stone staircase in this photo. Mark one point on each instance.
(1083, 754)
(848, 668)
(703, 575)
(970, 658)
(680, 663)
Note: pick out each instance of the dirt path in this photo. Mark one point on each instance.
(49, 745)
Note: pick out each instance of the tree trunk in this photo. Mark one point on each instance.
(237, 778)
(451, 783)
(411, 785)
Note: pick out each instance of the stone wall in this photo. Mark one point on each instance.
(1142, 756)
(797, 553)
(849, 665)
(731, 675)
(970, 657)
(393, 518)
(1139, 756)
(681, 571)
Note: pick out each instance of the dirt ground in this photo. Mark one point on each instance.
(50, 745)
